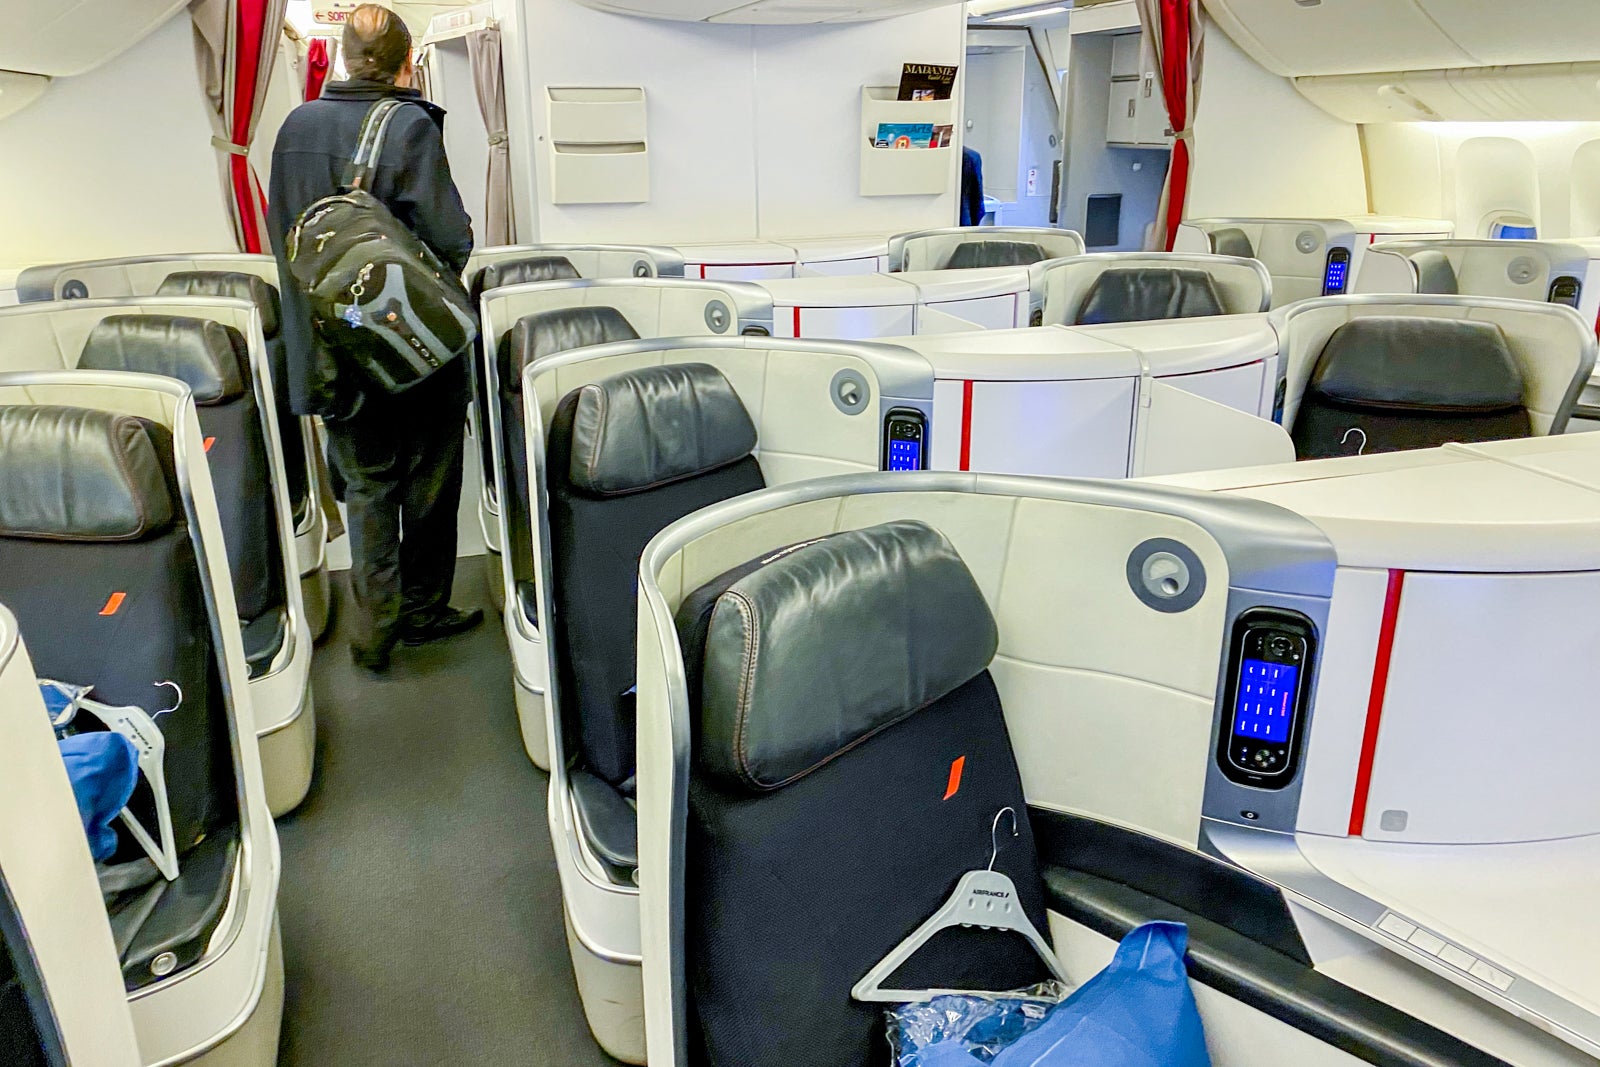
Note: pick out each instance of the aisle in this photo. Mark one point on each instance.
(420, 908)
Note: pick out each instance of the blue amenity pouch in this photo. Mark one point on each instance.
(1138, 1012)
(103, 767)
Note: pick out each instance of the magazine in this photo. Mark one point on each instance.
(911, 135)
(926, 81)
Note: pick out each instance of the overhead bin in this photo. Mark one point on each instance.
(60, 40)
(1319, 37)
(1563, 92)
(766, 12)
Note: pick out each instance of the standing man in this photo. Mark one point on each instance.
(400, 455)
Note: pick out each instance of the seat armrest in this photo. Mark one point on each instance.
(608, 822)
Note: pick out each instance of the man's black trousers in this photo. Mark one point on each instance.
(400, 457)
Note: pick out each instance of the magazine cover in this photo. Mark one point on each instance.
(927, 81)
(905, 135)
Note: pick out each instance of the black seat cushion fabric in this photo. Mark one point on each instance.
(596, 544)
(608, 821)
(240, 286)
(177, 917)
(793, 895)
(237, 454)
(520, 271)
(1435, 274)
(534, 337)
(1390, 383)
(994, 254)
(263, 638)
(1144, 294)
(1232, 241)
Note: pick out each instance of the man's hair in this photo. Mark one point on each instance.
(376, 43)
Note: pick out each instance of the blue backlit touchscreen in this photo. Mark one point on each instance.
(1266, 695)
(1336, 274)
(905, 455)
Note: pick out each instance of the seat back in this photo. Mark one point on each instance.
(1435, 273)
(518, 271)
(536, 337)
(959, 247)
(1394, 383)
(626, 457)
(97, 563)
(850, 757)
(1145, 286)
(213, 361)
(1231, 241)
(237, 285)
(975, 254)
(590, 261)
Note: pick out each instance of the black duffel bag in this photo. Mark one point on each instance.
(380, 298)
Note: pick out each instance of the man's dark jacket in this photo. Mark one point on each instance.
(310, 162)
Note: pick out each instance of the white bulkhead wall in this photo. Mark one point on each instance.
(752, 131)
(114, 161)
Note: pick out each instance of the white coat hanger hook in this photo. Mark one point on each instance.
(994, 832)
(177, 702)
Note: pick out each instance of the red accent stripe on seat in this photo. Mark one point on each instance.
(1380, 687)
(966, 426)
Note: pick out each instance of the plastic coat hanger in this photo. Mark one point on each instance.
(986, 899)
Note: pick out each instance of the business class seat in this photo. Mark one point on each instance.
(234, 276)
(808, 799)
(212, 346)
(111, 558)
(1394, 373)
(211, 360)
(625, 439)
(499, 266)
(627, 456)
(832, 686)
(1148, 286)
(1393, 384)
(965, 248)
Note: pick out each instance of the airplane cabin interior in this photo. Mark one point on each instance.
(1016, 532)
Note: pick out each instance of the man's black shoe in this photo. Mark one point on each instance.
(446, 622)
(375, 661)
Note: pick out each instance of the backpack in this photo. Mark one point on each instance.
(380, 298)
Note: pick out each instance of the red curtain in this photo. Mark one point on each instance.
(236, 45)
(316, 67)
(1174, 31)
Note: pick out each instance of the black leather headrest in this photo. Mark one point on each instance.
(1435, 273)
(204, 354)
(994, 254)
(645, 428)
(1421, 363)
(235, 285)
(518, 271)
(818, 647)
(1143, 294)
(1232, 241)
(547, 333)
(76, 474)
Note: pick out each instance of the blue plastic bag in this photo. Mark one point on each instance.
(968, 1022)
(103, 768)
(1138, 1012)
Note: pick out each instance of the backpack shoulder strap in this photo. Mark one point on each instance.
(369, 145)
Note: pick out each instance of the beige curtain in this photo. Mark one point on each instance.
(489, 78)
(236, 45)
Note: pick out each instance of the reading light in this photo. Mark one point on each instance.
(1018, 16)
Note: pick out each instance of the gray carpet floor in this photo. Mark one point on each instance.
(420, 907)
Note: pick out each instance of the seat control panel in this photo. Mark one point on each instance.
(1270, 663)
(1336, 279)
(904, 440)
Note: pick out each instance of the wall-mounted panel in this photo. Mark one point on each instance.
(1586, 191)
(61, 38)
(1494, 177)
